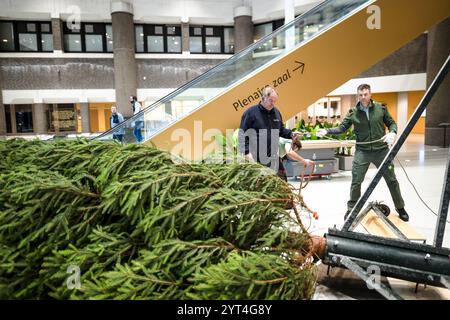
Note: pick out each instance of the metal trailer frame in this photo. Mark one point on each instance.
(397, 258)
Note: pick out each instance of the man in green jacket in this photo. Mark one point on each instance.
(369, 119)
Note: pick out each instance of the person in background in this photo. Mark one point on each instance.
(288, 150)
(114, 120)
(138, 124)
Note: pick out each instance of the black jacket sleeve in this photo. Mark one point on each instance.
(389, 121)
(284, 133)
(243, 142)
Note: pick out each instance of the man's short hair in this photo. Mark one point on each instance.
(363, 86)
(267, 91)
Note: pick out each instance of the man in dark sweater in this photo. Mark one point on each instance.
(260, 130)
(369, 120)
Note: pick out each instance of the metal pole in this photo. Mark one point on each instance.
(389, 223)
(393, 152)
(443, 210)
(380, 287)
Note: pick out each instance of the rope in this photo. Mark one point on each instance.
(359, 143)
(303, 178)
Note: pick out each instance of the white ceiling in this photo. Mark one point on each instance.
(218, 12)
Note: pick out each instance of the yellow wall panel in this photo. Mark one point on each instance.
(99, 116)
(414, 98)
(390, 99)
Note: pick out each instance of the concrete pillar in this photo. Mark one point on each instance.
(2, 111)
(39, 119)
(402, 111)
(2, 118)
(289, 15)
(125, 69)
(58, 37)
(437, 111)
(243, 28)
(85, 120)
(185, 38)
(12, 110)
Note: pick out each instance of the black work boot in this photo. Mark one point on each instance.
(402, 214)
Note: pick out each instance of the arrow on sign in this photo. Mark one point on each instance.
(301, 65)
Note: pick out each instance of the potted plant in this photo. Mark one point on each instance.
(345, 152)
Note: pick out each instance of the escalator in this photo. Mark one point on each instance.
(305, 60)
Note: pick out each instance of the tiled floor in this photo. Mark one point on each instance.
(425, 167)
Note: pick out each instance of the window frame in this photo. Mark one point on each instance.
(82, 32)
(15, 40)
(218, 31)
(149, 30)
(275, 25)
(234, 43)
(45, 32)
(17, 27)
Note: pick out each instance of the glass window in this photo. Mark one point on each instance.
(197, 31)
(209, 31)
(228, 39)
(171, 30)
(6, 36)
(210, 39)
(155, 43)
(27, 36)
(93, 37)
(31, 36)
(45, 27)
(47, 42)
(89, 28)
(72, 42)
(262, 30)
(109, 38)
(28, 42)
(94, 43)
(158, 39)
(139, 31)
(174, 44)
(24, 118)
(280, 40)
(46, 37)
(31, 27)
(195, 44)
(213, 45)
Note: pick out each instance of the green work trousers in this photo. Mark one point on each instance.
(361, 163)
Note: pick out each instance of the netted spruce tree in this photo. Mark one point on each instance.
(140, 225)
